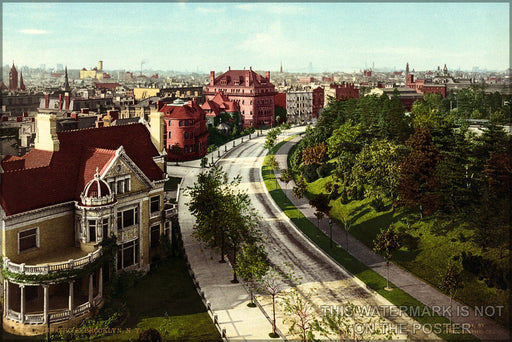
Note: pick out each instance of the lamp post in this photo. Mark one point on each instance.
(330, 230)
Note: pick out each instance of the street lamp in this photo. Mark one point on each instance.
(330, 230)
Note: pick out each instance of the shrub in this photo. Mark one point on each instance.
(377, 204)
(150, 335)
(324, 170)
(309, 173)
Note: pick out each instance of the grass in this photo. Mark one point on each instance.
(166, 300)
(172, 183)
(354, 266)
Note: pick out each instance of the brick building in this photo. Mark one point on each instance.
(253, 93)
(219, 104)
(60, 201)
(422, 86)
(318, 101)
(185, 126)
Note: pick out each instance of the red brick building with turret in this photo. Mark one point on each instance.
(185, 126)
(253, 93)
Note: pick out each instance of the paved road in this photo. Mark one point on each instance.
(324, 281)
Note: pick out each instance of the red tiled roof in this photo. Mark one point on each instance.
(60, 176)
(189, 110)
(3, 86)
(110, 86)
(238, 76)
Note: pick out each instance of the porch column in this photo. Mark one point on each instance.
(46, 303)
(100, 281)
(71, 299)
(22, 303)
(6, 297)
(90, 289)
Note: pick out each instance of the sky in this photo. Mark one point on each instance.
(214, 36)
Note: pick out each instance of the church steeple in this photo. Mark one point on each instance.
(22, 85)
(66, 82)
(13, 78)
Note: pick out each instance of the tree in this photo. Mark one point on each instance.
(252, 265)
(242, 226)
(299, 313)
(286, 176)
(418, 182)
(176, 152)
(347, 223)
(314, 155)
(299, 189)
(376, 167)
(274, 166)
(272, 284)
(385, 244)
(204, 162)
(450, 281)
(321, 203)
(343, 323)
(209, 204)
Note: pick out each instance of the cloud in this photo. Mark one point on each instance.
(33, 31)
(246, 7)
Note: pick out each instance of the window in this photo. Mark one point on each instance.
(127, 185)
(181, 123)
(92, 230)
(191, 135)
(127, 218)
(169, 135)
(28, 239)
(120, 186)
(128, 254)
(186, 135)
(155, 235)
(155, 204)
(104, 227)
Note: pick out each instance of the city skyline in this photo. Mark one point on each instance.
(302, 36)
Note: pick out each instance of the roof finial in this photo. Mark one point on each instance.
(97, 174)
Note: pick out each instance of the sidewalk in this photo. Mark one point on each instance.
(227, 301)
(481, 327)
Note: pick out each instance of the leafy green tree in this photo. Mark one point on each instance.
(347, 222)
(418, 182)
(274, 166)
(385, 244)
(209, 205)
(242, 226)
(376, 167)
(252, 265)
(321, 203)
(286, 176)
(399, 128)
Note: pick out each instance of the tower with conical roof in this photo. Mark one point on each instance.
(13, 78)
(66, 82)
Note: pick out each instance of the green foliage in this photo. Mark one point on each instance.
(309, 172)
(299, 313)
(150, 335)
(252, 264)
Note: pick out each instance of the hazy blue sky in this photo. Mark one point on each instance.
(213, 36)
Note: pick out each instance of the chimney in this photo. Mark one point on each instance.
(267, 75)
(159, 105)
(74, 116)
(46, 100)
(60, 101)
(84, 111)
(156, 130)
(67, 99)
(212, 77)
(247, 73)
(46, 133)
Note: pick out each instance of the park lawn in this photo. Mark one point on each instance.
(354, 266)
(439, 242)
(166, 300)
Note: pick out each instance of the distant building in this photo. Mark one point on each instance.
(299, 106)
(13, 78)
(253, 93)
(185, 126)
(407, 96)
(343, 91)
(422, 86)
(95, 73)
(59, 202)
(63, 101)
(318, 101)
